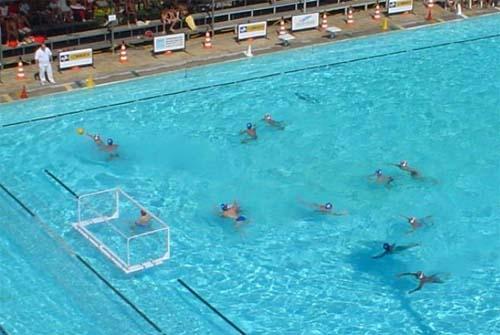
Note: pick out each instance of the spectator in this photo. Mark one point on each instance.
(23, 29)
(11, 30)
(169, 16)
(43, 57)
(24, 8)
(78, 10)
(130, 11)
(89, 8)
(4, 11)
(14, 8)
(60, 10)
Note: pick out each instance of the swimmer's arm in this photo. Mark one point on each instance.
(418, 288)
(404, 247)
(380, 255)
(248, 139)
(339, 213)
(414, 274)
(435, 279)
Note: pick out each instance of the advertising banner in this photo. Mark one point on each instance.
(69, 59)
(250, 30)
(306, 21)
(398, 6)
(169, 42)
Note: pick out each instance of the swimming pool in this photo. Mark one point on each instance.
(430, 96)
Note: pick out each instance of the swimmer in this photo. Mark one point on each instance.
(273, 123)
(380, 178)
(422, 279)
(418, 223)
(403, 165)
(110, 147)
(251, 132)
(96, 138)
(144, 219)
(390, 249)
(232, 211)
(327, 208)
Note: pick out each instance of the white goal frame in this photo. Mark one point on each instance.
(83, 226)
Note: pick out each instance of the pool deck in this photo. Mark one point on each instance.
(141, 62)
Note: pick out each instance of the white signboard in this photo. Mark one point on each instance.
(306, 21)
(250, 30)
(69, 59)
(398, 6)
(169, 42)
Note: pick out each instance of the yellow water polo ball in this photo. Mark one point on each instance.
(80, 131)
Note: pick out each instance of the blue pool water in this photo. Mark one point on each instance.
(290, 270)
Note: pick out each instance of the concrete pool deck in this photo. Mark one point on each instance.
(107, 67)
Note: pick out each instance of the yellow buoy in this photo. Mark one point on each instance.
(80, 131)
(90, 82)
(385, 24)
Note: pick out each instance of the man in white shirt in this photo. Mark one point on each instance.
(43, 57)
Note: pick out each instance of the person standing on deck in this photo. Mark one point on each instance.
(43, 57)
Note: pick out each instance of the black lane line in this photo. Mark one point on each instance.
(66, 187)
(124, 298)
(211, 307)
(247, 80)
(19, 202)
(3, 331)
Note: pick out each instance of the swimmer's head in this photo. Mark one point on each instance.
(143, 212)
(412, 220)
(328, 205)
(223, 207)
(110, 141)
(378, 173)
(420, 275)
(403, 164)
(97, 138)
(267, 117)
(249, 125)
(387, 247)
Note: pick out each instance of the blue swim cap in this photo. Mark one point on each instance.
(378, 172)
(223, 207)
(387, 246)
(249, 125)
(240, 218)
(110, 141)
(328, 205)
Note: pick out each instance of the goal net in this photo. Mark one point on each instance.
(123, 230)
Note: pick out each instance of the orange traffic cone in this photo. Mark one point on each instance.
(350, 18)
(208, 41)
(376, 16)
(282, 30)
(20, 70)
(429, 15)
(24, 93)
(123, 53)
(324, 22)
